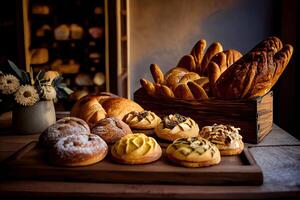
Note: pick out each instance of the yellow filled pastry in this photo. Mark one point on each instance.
(193, 152)
(225, 137)
(142, 120)
(136, 149)
(176, 126)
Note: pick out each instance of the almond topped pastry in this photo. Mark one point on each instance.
(193, 152)
(142, 120)
(225, 137)
(136, 149)
(176, 126)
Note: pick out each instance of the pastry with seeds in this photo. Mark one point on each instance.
(136, 149)
(193, 152)
(225, 137)
(142, 120)
(176, 126)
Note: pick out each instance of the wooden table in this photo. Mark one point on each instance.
(278, 155)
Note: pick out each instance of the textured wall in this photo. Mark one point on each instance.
(161, 31)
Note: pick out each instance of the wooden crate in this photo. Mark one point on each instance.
(253, 116)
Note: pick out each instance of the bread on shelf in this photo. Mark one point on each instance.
(39, 56)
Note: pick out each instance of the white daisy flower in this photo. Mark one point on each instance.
(9, 84)
(49, 92)
(26, 95)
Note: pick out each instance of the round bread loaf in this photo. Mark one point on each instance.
(63, 127)
(78, 150)
(136, 149)
(142, 120)
(225, 137)
(111, 129)
(176, 126)
(193, 152)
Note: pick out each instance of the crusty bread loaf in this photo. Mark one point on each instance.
(119, 107)
(256, 72)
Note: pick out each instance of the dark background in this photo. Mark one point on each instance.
(285, 25)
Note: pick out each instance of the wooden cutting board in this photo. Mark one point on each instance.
(30, 162)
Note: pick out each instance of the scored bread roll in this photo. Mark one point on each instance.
(197, 91)
(212, 50)
(142, 120)
(89, 109)
(176, 126)
(193, 152)
(119, 107)
(225, 137)
(136, 149)
(182, 91)
(111, 129)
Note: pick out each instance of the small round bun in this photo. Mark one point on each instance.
(63, 127)
(136, 149)
(78, 150)
(193, 152)
(176, 126)
(225, 137)
(111, 129)
(142, 120)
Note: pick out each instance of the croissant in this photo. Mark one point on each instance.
(256, 72)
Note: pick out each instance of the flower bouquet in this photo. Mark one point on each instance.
(31, 99)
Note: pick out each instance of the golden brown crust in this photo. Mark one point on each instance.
(187, 62)
(191, 76)
(148, 86)
(182, 91)
(167, 92)
(119, 107)
(198, 52)
(78, 150)
(111, 129)
(136, 149)
(255, 73)
(225, 137)
(157, 74)
(197, 91)
(214, 73)
(178, 129)
(193, 152)
(212, 50)
(89, 109)
(142, 120)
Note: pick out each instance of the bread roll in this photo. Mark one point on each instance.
(136, 149)
(176, 126)
(193, 152)
(212, 50)
(119, 107)
(39, 56)
(142, 120)
(225, 137)
(157, 74)
(89, 109)
(111, 129)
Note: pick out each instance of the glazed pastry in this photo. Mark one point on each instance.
(39, 56)
(136, 149)
(62, 32)
(225, 137)
(111, 129)
(76, 32)
(176, 126)
(142, 120)
(78, 150)
(193, 152)
(63, 127)
(119, 107)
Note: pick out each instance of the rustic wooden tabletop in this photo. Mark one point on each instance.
(278, 155)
